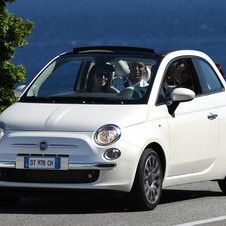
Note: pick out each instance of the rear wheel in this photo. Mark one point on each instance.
(147, 188)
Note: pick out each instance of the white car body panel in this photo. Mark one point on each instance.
(69, 117)
(196, 149)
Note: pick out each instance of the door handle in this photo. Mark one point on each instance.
(212, 116)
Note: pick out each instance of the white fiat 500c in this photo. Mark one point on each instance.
(118, 119)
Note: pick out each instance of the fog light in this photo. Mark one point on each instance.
(112, 154)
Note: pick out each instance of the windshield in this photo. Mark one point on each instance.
(101, 78)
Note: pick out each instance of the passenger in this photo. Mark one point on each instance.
(176, 76)
(135, 77)
(182, 76)
(99, 79)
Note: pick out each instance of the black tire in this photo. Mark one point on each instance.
(147, 187)
(222, 185)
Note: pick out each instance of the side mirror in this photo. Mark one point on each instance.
(180, 95)
(19, 90)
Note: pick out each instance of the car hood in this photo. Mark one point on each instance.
(71, 117)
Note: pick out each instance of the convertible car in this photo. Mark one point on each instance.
(118, 119)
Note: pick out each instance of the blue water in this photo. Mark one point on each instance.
(61, 25)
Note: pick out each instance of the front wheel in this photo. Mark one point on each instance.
(147, 188)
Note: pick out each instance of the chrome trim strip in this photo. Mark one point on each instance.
(7, 164)
(50, 145)
(25, 145)
(91, 165)
(12, 164)
(63, 146)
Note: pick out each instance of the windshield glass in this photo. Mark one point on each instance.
(101, 78)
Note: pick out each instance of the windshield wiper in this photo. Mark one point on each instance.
(34, 99)
(76, 99)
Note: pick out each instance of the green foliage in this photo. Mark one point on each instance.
(13, 33)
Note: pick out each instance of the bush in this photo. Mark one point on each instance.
(13, 33)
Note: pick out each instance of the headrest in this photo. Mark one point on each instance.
(121, 68)
(147, 74)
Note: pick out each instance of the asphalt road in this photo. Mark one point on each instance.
(199, 203)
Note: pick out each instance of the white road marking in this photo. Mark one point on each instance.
(205, 221)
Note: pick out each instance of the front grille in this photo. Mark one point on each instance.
(49, 176)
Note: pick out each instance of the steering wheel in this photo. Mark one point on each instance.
(130, 93)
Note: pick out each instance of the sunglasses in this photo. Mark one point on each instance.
(101, 75)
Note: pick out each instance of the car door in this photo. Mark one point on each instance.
(194, 129)
(212, 85)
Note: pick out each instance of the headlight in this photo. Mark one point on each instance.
(107, 134)
(2, 130)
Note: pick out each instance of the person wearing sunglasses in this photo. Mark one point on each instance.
(99, 79)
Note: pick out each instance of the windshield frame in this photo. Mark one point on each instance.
(93, 100)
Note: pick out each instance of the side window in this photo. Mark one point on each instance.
(61, 80)
(179, 73)
(208, 78)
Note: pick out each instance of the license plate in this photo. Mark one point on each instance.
(41, 162)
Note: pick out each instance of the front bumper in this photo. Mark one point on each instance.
(71, 166)
(84, 157)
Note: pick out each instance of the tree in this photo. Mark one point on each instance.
(13, 33)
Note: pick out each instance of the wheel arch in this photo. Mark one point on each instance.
(138, 191)
(158, 148)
